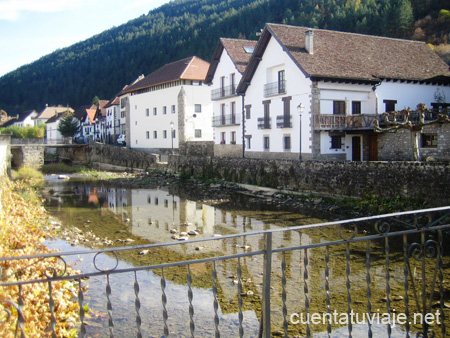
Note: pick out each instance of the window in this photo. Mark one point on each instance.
(281, 82)
(173, 109)
(248, 139)
(336, 142)
(247, 111)
(147, 134)
(173, 134)
(339, 107)
(233, 112)
(155, 134)
(155, 111)
(198, 108)
(390, 105)
(429, 140)
(266, 143)
(164, 110)
(233, 87)
(287, 142)
(233, 137)
(164, 133)
(147, 112)
(356, 107)
(222, 138)
(198, 133)
(222, 86)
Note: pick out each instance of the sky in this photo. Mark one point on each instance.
(30, 29)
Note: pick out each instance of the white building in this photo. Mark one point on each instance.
(52, 133)
(50, 111)
(313, 94)
(112, 120)
(26, 119)
(169, 107)
(229, 62)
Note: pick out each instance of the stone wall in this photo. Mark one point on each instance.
(104, 153)
(30, 156)
(387, 179)
(228, 150)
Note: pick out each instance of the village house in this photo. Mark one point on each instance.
(86, 115)
(229, 61)
(313, 94)
(26, 119)
(50, 111)
(168, 108)
(112, 123)
(52, 134)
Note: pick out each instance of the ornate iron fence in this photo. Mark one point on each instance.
(356, 277)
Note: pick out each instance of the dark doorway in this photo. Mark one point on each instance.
(373, 148)
(356, 148)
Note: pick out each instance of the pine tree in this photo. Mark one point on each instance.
(68, 126)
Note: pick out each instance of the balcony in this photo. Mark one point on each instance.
(344, 122)
(274, 88)
(264, 123)
(284, 121)
(223, 92)
(226, 120)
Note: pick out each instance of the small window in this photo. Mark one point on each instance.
(339, 107)
(222, 138)
(287, 142)
(429, 140)
(164, 110)
(164, 133)
(248, 139)
(356, 107)
(249, 49)
(173, 109)
(198, 133)
(247, 111)
(155, 111)
(336, 142)
(266, 142)
(147, 134)
(147, 112)
(390, 105)
(174, 133)
(198, 108)
(155, 134)
(233, 137)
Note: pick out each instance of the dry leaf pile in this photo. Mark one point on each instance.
(21, 222)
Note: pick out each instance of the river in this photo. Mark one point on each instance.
(106, 215)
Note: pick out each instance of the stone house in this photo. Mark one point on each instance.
(168, 108)
(314, 94)
(229, 61)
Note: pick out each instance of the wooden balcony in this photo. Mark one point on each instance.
(344, 122)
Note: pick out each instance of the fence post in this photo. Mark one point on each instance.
(265, 331)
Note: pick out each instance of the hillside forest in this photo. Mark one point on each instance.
(103, 64)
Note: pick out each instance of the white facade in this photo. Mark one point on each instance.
(227, 105)
(283, 139)
(52, 133)
(28, 121)
(112, 122)
(186, 107)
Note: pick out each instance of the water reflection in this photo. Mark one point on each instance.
(154, 214)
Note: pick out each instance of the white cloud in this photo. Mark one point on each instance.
(11, 10)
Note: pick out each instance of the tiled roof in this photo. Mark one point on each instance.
(357, 56)
(192, 68)
(350, 56)
(82, 111)
(102, 106)
(55, 118)
(51, 111)
(91, 113)
(236, 49)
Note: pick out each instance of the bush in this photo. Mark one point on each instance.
(25, 132)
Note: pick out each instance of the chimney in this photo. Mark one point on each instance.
(309, 42)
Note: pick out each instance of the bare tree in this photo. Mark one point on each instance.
(414, 121)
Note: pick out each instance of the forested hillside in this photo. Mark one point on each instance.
(103, 64)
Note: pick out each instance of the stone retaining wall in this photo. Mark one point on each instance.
(386, 179)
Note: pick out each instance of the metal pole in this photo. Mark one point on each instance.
(300, 137)
(265, 328)
(243, 127)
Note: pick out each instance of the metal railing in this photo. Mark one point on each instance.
(264, 123)
(284, 121)
(226, 120)
(396, 265)
(275, 88)
(223, 92)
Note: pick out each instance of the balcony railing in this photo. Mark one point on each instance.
(264, 123)
(331, 121)
(223, 92)
(274, 88)
(226, 120)
(284, 121)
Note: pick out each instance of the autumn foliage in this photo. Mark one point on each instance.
(22, 220)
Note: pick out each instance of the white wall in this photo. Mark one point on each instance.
(408, 94)
(297, 86)
(52, 131)
(225, 68)
(142, 125)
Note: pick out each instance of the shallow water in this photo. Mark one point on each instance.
(140, 216)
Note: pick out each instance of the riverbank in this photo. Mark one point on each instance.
(22, 231)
